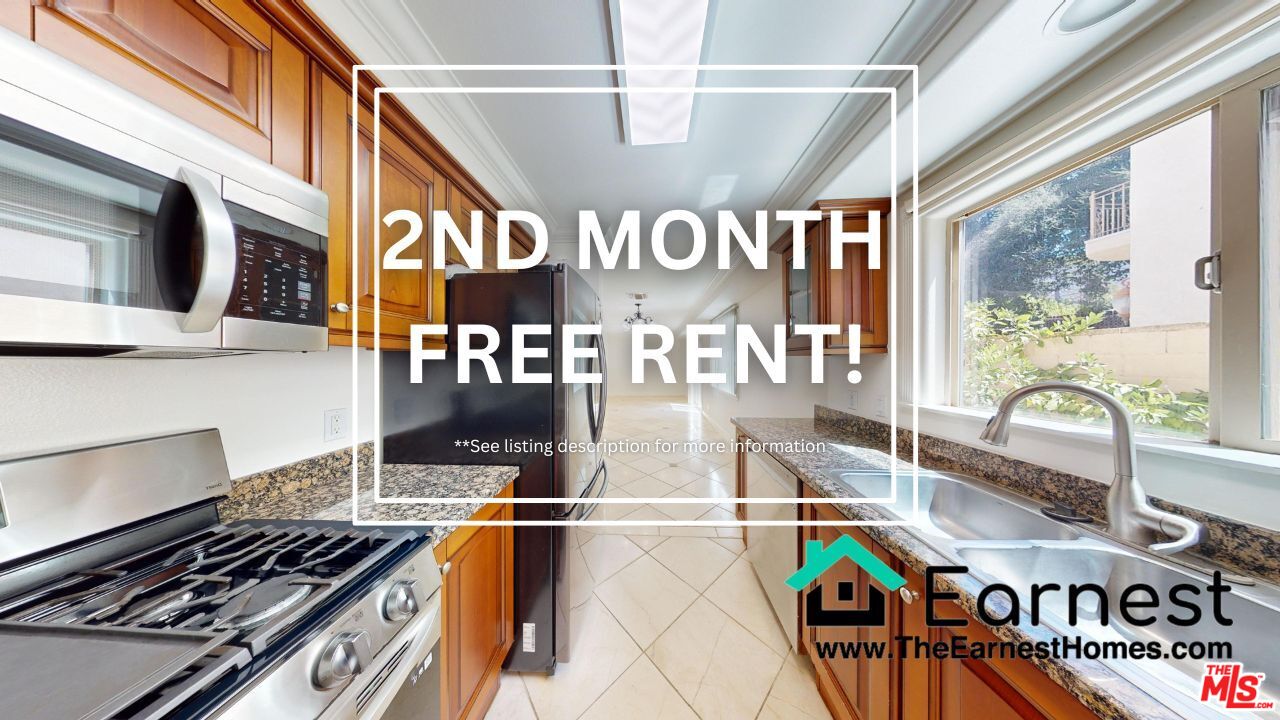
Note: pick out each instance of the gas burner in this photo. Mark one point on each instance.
(260, 603)
(162, 608)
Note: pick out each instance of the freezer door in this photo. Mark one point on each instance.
(585, 403)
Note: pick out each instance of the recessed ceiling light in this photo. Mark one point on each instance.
(660, 32)
(1075, 15)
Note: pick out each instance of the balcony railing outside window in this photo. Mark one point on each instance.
(1109, 210)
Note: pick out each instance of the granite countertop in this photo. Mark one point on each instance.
(302, 492)
(788, 439)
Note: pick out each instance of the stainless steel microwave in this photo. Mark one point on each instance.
(126, 231)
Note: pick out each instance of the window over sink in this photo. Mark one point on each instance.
(1088, 277)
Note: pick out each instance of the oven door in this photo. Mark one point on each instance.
(102, 254)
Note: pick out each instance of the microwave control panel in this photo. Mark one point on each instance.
(278, 281)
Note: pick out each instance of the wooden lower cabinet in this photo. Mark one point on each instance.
(918, 688)
(478, 611)
(972, 689)
(740, 480)
(852, 688)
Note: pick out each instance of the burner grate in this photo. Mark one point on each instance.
(224, 579)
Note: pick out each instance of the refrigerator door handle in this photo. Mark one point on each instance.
(604, 486)
(602, 475)
(597, 421)
(604, 386)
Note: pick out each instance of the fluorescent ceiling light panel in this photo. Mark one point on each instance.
(661, 32)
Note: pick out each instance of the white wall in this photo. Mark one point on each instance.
(617, 344)
(1170, 180)
(269, 408)
(758, 295)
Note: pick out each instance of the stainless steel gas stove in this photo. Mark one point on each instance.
(122, 596)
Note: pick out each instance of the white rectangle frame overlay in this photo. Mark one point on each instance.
(893, 294)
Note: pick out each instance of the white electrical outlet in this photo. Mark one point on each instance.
(882, 407)
(853, 399)
(335, 424)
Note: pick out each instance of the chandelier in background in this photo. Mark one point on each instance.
(637, 318)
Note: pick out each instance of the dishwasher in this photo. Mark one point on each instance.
(774, 550)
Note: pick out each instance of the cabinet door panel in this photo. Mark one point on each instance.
(479, 611)
(968, 689)
(15, 15)
(406, 182)
(857, 688)
(477, 586)
(331, 157)
(289, 95)
(208, 62)
(461, 205)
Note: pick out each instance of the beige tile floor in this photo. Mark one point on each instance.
(670, 621)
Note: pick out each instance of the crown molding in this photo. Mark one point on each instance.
(1198, 37)
(379, 34)
(858, 119)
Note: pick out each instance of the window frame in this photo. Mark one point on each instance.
(955, 265)
(1235, 405)
(1238, 222)
(729, 354)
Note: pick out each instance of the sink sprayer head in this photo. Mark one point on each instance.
(997, 430)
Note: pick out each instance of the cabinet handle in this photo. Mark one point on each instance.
(908, 596)
(340, 307)
(445, 568)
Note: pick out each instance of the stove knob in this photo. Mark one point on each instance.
(346, 655)
(401, 602)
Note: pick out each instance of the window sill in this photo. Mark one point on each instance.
(1048, 430)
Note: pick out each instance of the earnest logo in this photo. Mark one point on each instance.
(819, 559)
(1138, 604)
(1233, 688)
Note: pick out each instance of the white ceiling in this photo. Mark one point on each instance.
(558, 154)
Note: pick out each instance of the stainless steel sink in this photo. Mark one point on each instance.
(1003, 538)
(957, 508)
(1116, 569)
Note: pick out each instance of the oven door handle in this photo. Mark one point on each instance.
(218, 264)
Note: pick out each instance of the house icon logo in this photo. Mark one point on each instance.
(818, 560)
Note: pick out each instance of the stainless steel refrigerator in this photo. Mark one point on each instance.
(422, 422)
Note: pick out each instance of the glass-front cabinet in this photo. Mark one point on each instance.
(814, 293)
(799, 291)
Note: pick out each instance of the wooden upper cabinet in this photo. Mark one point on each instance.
(207, 61)
(330, 159)
(15, 15)
(290, 107)
(407, 181)
(855, 294)
(461, 205)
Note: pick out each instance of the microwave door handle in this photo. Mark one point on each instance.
(218, 266)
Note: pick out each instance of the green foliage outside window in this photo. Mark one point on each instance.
(995, 363)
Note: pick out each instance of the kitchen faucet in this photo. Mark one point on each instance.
(1130, 516)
